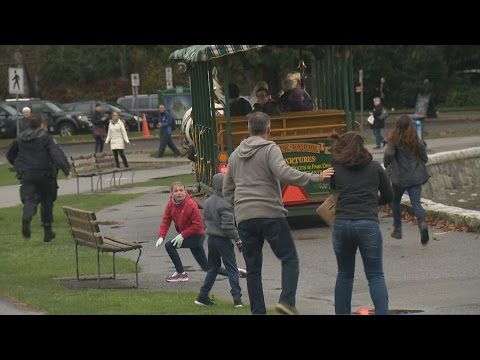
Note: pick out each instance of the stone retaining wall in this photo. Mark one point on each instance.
(450, 171)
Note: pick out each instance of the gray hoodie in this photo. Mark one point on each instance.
(218, 214)
(252, 183)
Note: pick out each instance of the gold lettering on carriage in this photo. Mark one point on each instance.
(305, 147)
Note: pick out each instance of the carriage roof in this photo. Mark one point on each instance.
(196, 53)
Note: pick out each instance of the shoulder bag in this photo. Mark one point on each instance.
(326, 211)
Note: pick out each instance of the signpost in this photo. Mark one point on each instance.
(168, 77)
(16, 86)
(135, 84)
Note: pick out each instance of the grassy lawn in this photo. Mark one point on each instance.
(7, 177)
(28, 269)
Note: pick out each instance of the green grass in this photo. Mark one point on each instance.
(28, 269)
(7, 177)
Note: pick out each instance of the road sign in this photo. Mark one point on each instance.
(135, 79)
(168, 73)
(15, 80)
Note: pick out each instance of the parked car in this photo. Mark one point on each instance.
(8, 121)
(88, 107)
(60, 121)
(147, 103)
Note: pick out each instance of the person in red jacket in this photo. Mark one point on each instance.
(188, 222)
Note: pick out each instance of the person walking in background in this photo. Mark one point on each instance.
(357, 181)
(36, 156)
(252, 184)
(384, 91)
(165, 121)
(378, 123)
(222, 233)
(100, 122)
(24, 123)
(117, 137)
(405, 159)
(428, 91)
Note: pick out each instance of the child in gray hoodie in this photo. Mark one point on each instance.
(221, 230)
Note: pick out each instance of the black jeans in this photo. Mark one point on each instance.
(221, 249)
(276, 231)
(38, 188)
(195, 244)
(122, 155)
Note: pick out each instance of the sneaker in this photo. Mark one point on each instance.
(242, 273)
(176, 277)
(238, 303)
(204, 301)
(49, 234)
(26, 228)
(384, 143)
(286, 309)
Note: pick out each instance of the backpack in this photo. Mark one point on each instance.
(383, 115)
(173, 125)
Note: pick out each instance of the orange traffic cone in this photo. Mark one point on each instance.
(145, 129)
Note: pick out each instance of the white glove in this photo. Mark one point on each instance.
(159, 242)
(177, 241)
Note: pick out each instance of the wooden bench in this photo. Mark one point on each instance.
(97, 165)
(106, 165)
(85, 231)
(84, 166)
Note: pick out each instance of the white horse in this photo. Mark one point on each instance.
(187, 120)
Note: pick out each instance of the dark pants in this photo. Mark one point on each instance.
(221, 249)
(166, 140)
(38, 188)
(122, 155)
(99, 142)
(253, 233)
(195, 244)
(415, 194)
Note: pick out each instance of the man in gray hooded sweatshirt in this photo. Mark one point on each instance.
(252, 185)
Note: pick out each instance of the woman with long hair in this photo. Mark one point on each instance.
(358, 180)
(405, 158)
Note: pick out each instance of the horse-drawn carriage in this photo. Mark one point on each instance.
(302, 136)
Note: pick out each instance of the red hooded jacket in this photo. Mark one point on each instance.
(186, 217)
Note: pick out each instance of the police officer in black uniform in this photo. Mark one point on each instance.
(35, 156)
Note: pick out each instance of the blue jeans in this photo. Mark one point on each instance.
(378, 136)
(253, 233)
(348, 235)
(415, 194)
(99, 142)
(221, 249)
(195, 244)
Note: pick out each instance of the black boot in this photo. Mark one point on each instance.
(397, 232)
(26, 228)
(424, 236)
(49, 234)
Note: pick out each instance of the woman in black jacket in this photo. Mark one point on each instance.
(405, 158)
(358, 180)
